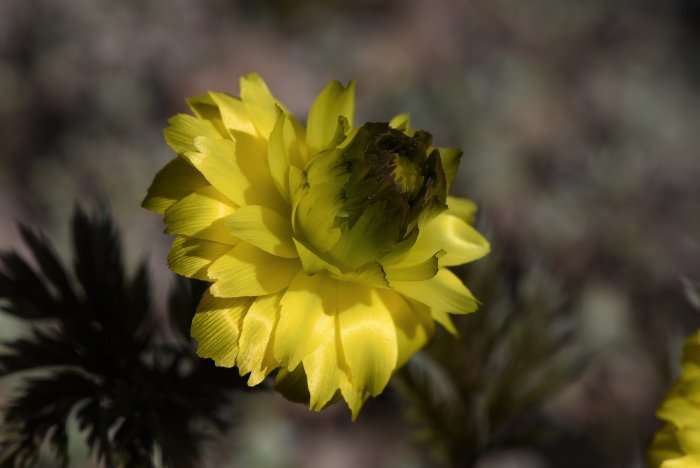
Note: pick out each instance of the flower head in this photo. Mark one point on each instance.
(326, 246)
(677, 443)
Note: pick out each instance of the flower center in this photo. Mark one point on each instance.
(366, 198)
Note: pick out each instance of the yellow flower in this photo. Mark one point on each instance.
(326, 246)
(677, 443)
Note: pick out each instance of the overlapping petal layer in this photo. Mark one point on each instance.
(326, 247)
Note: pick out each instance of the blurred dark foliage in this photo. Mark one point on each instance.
(95, 353)
(485, 390)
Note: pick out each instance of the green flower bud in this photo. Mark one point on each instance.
(364, 199)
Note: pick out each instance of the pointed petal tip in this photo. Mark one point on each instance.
(248, 78)
(147, 202)
(254, 379)
(354, 400)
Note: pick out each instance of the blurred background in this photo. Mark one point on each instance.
(580, 125)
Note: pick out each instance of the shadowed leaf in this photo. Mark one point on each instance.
(94, 351)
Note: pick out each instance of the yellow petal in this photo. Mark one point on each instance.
(259, 103)
(368, 339)
(314, 217)
(217, 325)
(256, 343)
(278, 157)
(687, 461)
(342, 129)
(444, 319)
(233, 113)
(236, 176)
(306, 317)
(297, 186)
(325, 370)
(444, 291)
(370, 274)
(248, 271)
(353, 396)
(462, 208)
(206, 108)
(450, 162)
(184, 130)
(402, 122)
(283, 150)
(202, 215)
(689, 388)
(299, 152)
(664, 446)
(263, 228)
(416, 272)
(460, 241)
(311, 262)
(412, 320)
(251, 157)
(678, 410)
(356, 247)
(191, 257)
(172, 183)
(333, 102)
(216, 160)
(689, 439)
